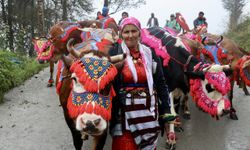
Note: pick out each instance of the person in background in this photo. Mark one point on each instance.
(153, 21)
(142, 94)
(173, 24)
(98, 15)
(105, 12)
(124, 15)
(200, 20)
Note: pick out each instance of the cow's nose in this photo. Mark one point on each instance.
(90, 126)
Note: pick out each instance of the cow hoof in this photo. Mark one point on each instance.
(233, 116)
(170, 146)
(225, 112)
(49, 84)
(178, 129)
(187, 115)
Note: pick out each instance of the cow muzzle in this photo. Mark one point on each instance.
(91, 124)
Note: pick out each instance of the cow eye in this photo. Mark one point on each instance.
(209, 88)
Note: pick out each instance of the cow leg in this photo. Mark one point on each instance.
(51, 80)
(178, 127)
(186, 112)
(245, 89)
(99, 141)
(171, 136)
(233, 115)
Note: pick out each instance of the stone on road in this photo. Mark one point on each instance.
(32, 119)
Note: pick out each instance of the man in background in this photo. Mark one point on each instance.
(173, 24)
(124, 15)
(200, 20)
(153, 21)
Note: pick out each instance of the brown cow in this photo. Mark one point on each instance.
(81, 123)
(44, 53)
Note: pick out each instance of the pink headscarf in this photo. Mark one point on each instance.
(132, 21)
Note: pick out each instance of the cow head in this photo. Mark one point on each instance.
(90, 101)
(44, 49)
(209, 93)
(59, 35)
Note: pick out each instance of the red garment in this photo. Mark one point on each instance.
(141, 74)
(124, 142)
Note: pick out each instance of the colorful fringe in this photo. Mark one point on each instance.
(203, 101)
(244, 72)
(67, 31)
(207, 104)
(220, 82)
(88, 75)
(41, 46)
(79, 103)
(156, 44)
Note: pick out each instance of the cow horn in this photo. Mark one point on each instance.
(203, 40)
(220, 40)
(71, 49)
(117, 58)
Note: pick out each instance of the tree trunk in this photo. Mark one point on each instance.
(10, 23)
(56, 9)
(3, 11)
(31, 50)
(64, 8)
(40, 16)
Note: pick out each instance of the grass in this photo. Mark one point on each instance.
(15, 69)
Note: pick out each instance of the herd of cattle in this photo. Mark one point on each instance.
(202, 64)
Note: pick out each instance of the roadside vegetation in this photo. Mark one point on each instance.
(15, 69)
(241, 34)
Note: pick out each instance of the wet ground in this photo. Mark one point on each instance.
(31, 119)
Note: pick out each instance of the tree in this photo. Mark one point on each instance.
(235, 9)
(40, 14)
(3, 11)
(10, 24)
(119, 5)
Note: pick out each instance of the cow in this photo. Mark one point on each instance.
(70, 84)
(221, 50)
(227, 53)
(182, 69)
(44, 53)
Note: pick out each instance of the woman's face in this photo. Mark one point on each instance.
(131, 36)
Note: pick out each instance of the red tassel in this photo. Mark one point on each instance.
(241, 63)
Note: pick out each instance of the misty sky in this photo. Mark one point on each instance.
(215, 14)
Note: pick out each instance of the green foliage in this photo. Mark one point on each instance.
(241, 34)
(3, 36)
(15, 69)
